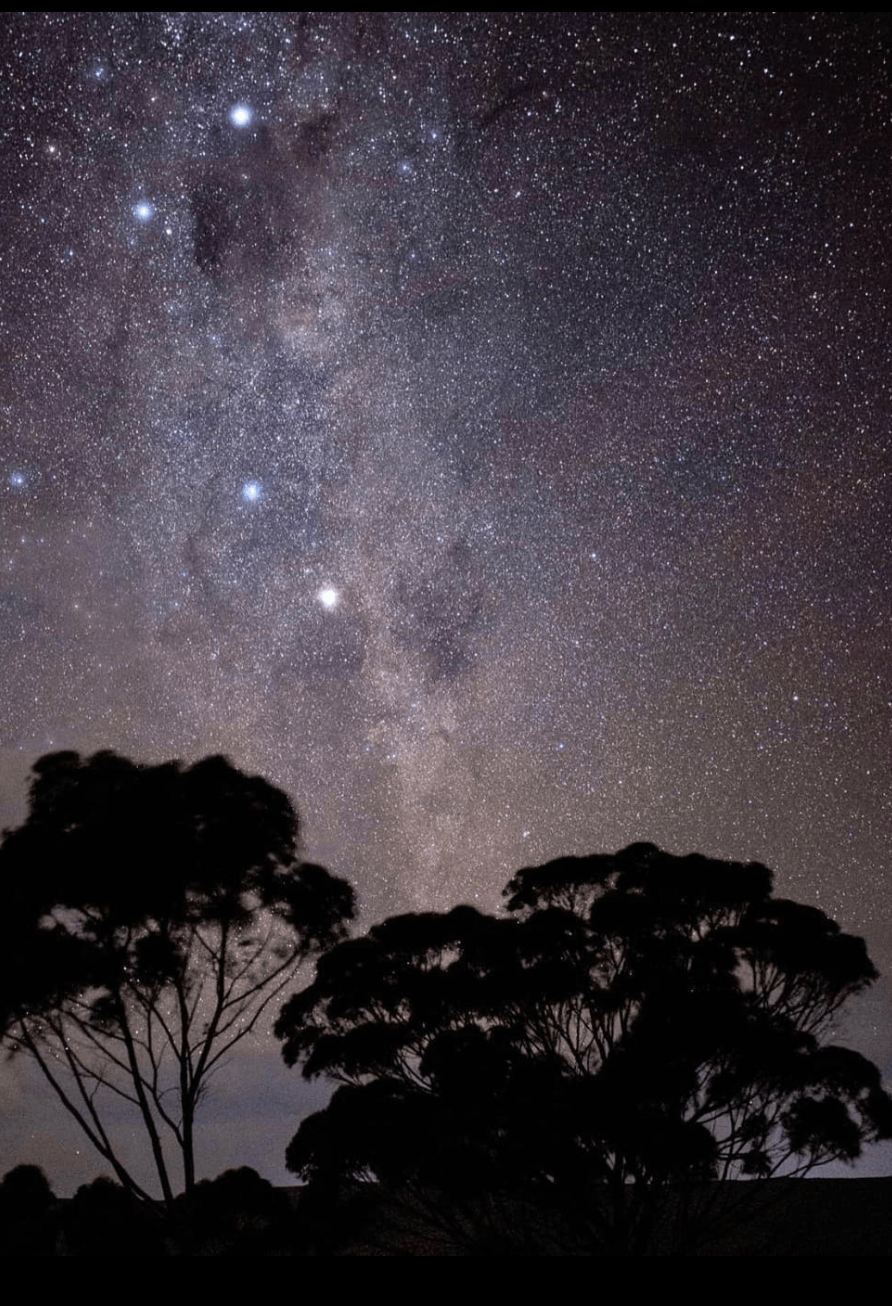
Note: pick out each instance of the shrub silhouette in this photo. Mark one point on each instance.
(104, 1219)
(28, 1213)
(237, 1214)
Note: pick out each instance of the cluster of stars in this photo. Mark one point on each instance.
(471, 422)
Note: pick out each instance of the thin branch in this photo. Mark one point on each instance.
(96, 1134)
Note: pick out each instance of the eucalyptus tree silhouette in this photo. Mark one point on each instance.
(637, 1026)
(152, 915)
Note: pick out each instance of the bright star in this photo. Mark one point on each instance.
(17, 479)
(144, 211)
(252, 491)
(328, 597)
(240, 115)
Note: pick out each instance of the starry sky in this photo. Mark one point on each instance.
(476, 423)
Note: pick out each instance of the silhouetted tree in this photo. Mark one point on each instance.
(638, 1025)
(153, 913)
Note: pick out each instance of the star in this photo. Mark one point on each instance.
(240, 115)
(252, 491)
(144, 211)
(328, 597)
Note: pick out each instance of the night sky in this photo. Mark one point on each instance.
(476, 424)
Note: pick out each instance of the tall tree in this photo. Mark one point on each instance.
(153, 914)
(638, 1025)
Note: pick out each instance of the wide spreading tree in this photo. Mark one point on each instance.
(583, 1071)
(152, 915)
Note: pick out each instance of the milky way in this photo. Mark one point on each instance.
(477, 424)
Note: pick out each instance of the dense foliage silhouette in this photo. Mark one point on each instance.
(153, 913)
(636, 1028)
(104, 1219)
(28, 1217)
(237, 1214)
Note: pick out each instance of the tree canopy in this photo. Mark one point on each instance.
(152, 915)
(631, 1024)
